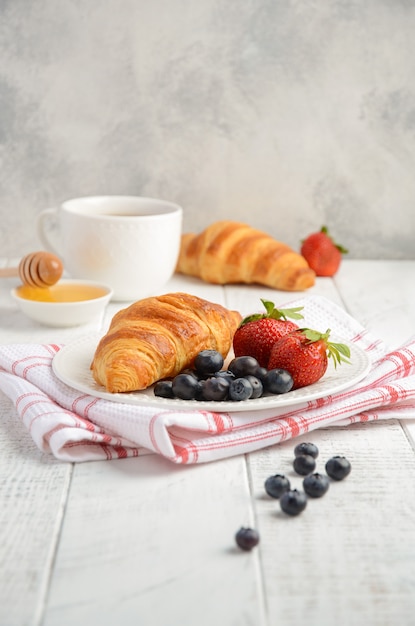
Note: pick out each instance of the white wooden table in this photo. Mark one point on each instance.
(144, 542)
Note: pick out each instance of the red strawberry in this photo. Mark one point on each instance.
(257, 333)
(304, 354)
(321, 253)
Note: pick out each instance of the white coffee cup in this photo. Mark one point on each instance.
(129, 243)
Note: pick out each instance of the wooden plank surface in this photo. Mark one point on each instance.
(33, 493)
(144, 541)
(348, 559)
(380, 295)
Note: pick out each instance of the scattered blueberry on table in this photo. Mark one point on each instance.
(304, 464)
(276, 485)
(316, 485)
(293, 502)
(338, 467)
(306, 448)
(247, 538)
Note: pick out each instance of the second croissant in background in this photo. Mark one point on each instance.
(233, 252)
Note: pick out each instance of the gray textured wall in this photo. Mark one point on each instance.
(284, 113)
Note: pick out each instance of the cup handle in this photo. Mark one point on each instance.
(48, 231)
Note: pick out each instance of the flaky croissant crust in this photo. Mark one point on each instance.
(234, 252)
(158, 337)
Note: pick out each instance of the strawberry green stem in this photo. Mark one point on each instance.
(339, 247)
(339, 352)
(271, 312)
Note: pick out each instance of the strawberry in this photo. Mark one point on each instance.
(321, 253)
(304, 354)
(257, 333)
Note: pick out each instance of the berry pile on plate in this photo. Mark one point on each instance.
(244, 379)
(273, 355)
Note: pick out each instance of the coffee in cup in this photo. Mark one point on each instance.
(129, 243)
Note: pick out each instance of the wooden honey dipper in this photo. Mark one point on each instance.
(37, 269)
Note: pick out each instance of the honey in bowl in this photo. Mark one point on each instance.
(67, 303)
(65, 292)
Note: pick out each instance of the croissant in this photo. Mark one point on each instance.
(158, 337)
(233, 252)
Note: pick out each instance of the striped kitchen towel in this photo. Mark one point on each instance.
(77, 426)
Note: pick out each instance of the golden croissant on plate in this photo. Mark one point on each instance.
(158, 337)
(233, 252)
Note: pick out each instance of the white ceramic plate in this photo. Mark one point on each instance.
(72, 366)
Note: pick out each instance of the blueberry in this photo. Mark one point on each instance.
(293, 501)
(224, 374)
(276, 485)
(164, 389)
(338, 467)
(304, 464)
(185, 386)
(243, 366)
(316, 485)
(208, 362)
(261, 373)
(191, 372)
(247, 538)
(306, 448)
(215, 389)
(240, 389)
(278, 381)
(257, 387)
(200, 389)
